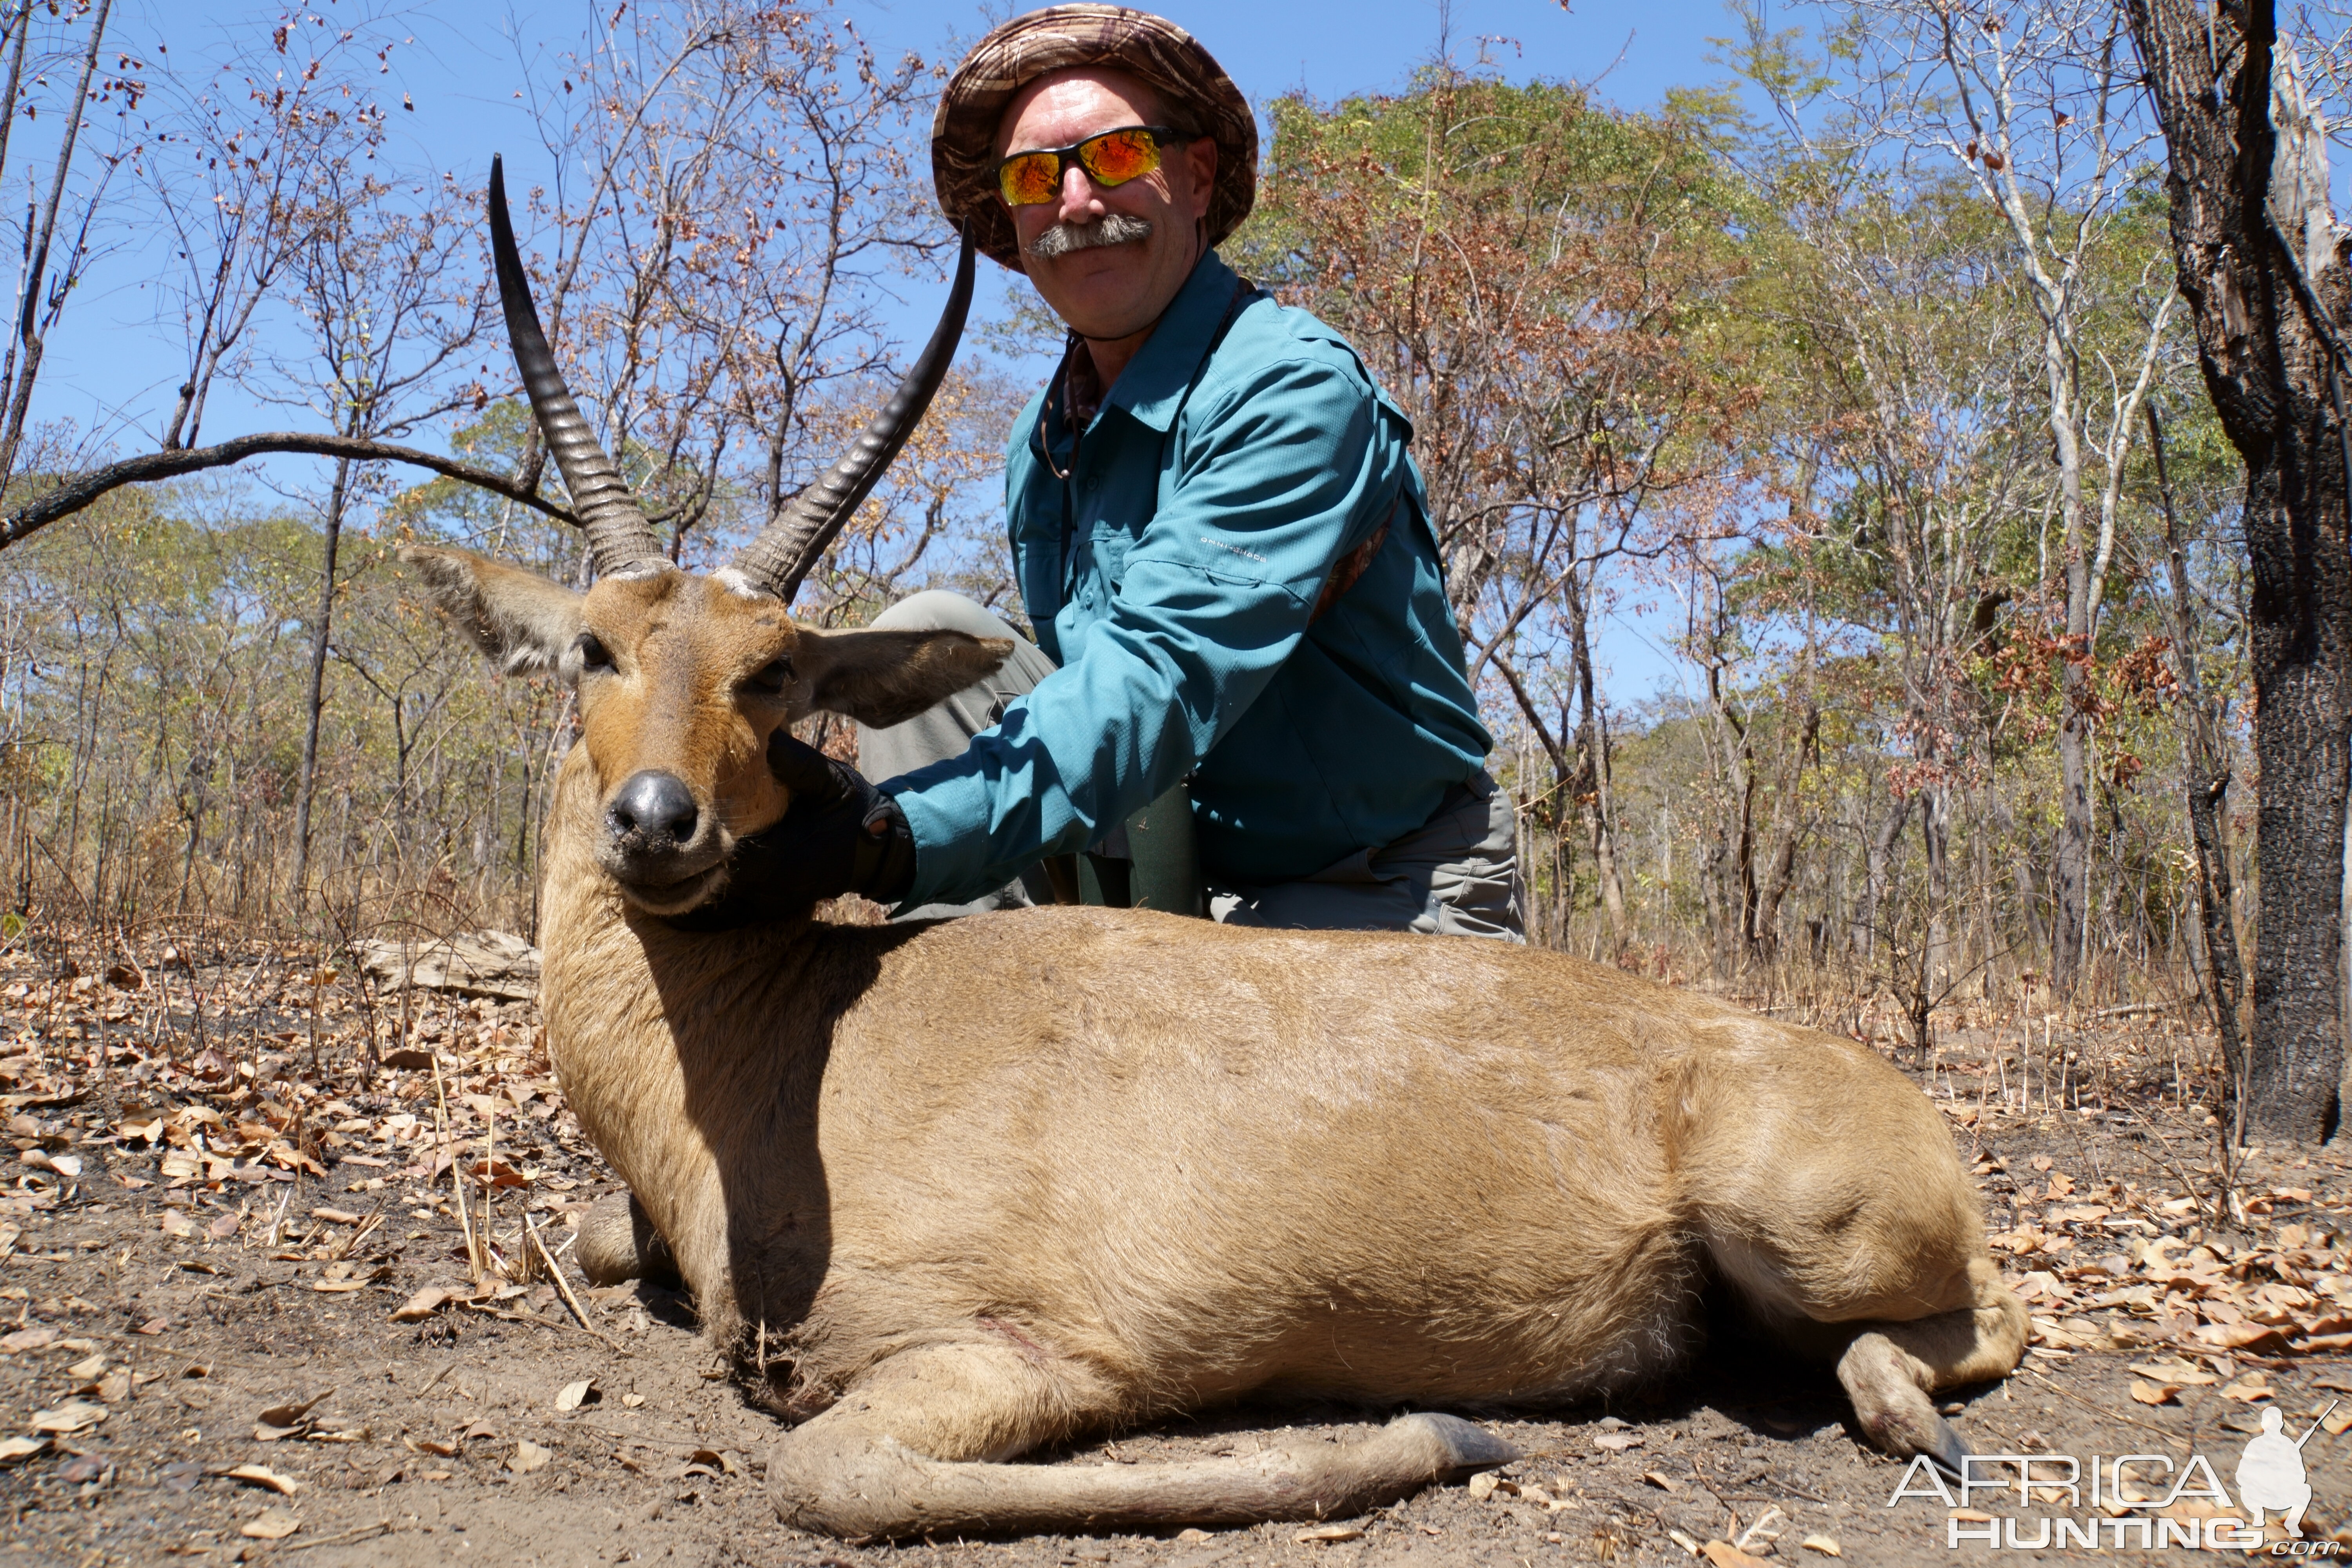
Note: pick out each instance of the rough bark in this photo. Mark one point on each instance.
(315, 704)
(2266, 286)
(2208, 769)
(1592, 747)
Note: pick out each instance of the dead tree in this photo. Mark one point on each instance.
(2255, 246)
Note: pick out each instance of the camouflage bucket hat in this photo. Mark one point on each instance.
(1195, 94)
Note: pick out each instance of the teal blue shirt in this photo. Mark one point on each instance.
(1173, 575)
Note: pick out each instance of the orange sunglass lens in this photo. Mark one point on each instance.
(1113, 158)
(1031, 178)
(1119, 156)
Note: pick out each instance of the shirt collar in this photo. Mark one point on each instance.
(1153, 383)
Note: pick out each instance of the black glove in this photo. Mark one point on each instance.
(840, 836)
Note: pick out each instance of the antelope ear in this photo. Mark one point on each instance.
(885, 678)
(523, 621)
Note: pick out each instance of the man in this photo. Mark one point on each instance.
(1219, 536)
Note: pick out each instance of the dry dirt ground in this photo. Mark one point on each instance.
(241, 1322)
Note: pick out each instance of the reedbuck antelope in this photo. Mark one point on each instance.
(948, 1193)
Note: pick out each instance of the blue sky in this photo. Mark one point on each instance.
(107, 365)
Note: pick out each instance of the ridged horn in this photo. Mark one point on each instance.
(788, 548)
(621, 543)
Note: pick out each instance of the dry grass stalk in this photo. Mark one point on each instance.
(563, 1286)
(344, 1247)
(489, 1163)
(278, 1220)
(456, 1172)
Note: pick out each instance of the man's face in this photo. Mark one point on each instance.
(1107, 292)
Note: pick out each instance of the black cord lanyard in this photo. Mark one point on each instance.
(1056, 395)
(1056, 406)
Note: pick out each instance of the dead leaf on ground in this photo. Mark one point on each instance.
(422, 1305)
(1823, 1544)
(575, 1395)
(1324, 1534)
(496, 1173)
(2156, 1393)
(263, 1475)
(281, 1419)
(270, 1525)
(1662, 1483)
(29, 1339)
(529, 1457)
(1724, 1555)
(14, 1451)
(73, 1416)
(1618, 1442)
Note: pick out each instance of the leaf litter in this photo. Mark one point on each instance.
(224, 1148)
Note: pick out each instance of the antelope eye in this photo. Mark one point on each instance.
(771, 676)
(593, 654)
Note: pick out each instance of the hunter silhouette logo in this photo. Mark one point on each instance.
(2269, 1472)
(2270, 1480)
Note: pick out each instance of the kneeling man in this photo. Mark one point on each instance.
(1219, 536)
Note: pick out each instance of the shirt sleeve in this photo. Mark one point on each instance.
(1210, 600)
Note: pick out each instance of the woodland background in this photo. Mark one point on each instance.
(1855, 391)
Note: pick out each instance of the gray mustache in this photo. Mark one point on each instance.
(1063, 238)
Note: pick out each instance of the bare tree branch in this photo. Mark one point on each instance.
(80, 490)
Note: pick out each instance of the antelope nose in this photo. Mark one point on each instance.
(655, 808)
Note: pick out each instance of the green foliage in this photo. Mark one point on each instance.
(155, 680)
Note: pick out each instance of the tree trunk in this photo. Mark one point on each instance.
(1593, 745)
(2208, 767)
(1935, 843)
(315, 701)
(1879, 852)
(2069, 887)
(33, 336)
(2256, 260)
(1734, 851)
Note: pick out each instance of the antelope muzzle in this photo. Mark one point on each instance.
(660, 843)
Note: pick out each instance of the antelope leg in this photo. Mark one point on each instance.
(1890, 1368)
(617, 1242)
(899, 1456)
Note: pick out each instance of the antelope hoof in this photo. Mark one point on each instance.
(618, 1243)
(1468, 1447)
(1945, 1450)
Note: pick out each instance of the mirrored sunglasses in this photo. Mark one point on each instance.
(1112, 158)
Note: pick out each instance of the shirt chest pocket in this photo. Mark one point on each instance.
(1110, 549)
(1098, 567)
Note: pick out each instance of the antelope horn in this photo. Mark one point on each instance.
(621, 543)
(790, 545)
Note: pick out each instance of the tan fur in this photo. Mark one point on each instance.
(960, 1190)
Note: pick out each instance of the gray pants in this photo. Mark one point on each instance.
(1456, 876)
